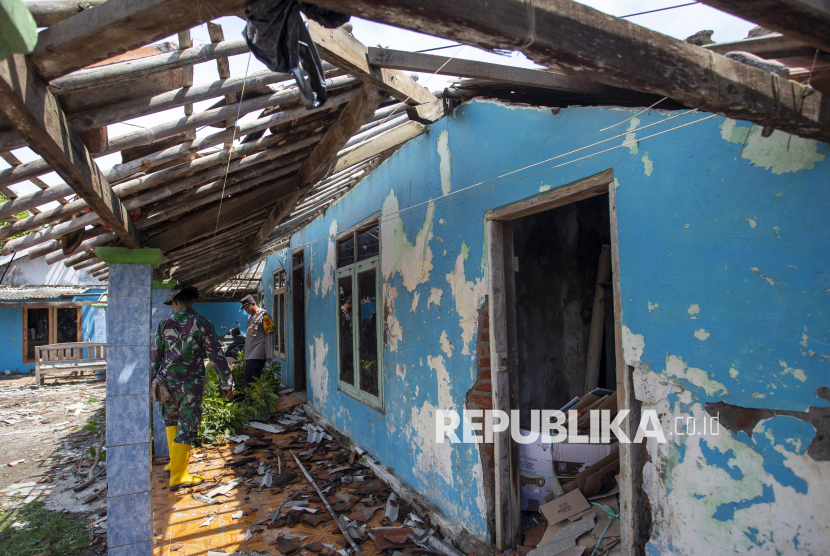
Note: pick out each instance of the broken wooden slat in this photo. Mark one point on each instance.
(387, 140)
(27, 104)
(430, 63)
(589, 43)
(592, 358)
(346, 52)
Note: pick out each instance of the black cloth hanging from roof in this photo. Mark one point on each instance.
(279, 38)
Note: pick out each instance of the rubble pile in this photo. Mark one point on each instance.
(575, 488)
(287, 487)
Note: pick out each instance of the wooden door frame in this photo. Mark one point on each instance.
(504, 358)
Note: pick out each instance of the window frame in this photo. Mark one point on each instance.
(53, 327)
(280, 314)
(352, 271)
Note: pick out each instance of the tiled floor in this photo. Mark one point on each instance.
(178, 518)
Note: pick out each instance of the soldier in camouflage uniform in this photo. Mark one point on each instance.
(182, 342)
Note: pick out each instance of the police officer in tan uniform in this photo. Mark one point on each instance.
(259, 339)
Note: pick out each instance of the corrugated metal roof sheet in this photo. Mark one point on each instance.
(15, 293)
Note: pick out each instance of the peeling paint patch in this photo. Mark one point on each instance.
(733, 372)
(412, 260)
(442, 377)
(797, 373)
(752, 222)
(435, 295)
(701, 334)
(677, 368)
(432, 458)
(317, 373)
(631, 136)
(468, 296)
(400, 370)
(415, 298)
(648, 166)
(780, 152)
(446, 346)
(331, 260)
(444, 156)
(755, 270)
(544, 188)
(633, 345)
(652, 306)
(394, 332)
(693, 309)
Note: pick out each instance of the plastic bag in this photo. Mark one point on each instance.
(279, 38)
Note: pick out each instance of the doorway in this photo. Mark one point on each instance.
(298, 319)
(546, 255)
(49, 325)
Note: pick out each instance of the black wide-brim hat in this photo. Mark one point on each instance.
(182, 288)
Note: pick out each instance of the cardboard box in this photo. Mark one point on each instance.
(535, 475)
(565, 506)
(570, 459)
(537, 449)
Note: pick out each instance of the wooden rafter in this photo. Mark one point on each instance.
(117, 26)
(807, 21)
(430, 63)
(27, 104)
(585, 42)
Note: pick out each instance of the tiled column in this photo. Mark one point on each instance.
(160, 311)
(129, 514)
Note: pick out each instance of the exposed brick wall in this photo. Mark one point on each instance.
(480, 396)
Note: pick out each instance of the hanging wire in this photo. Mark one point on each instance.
(659, 10)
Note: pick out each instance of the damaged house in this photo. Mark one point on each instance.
(639, 229)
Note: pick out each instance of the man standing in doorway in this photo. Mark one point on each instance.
(259, 339)
(182, 342)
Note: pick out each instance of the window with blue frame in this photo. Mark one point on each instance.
(359, 353)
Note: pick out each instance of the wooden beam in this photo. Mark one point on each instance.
(591, 44)
(429, 63)
(117, 26)
(361, 107)
(428, 113)
(27, 104)
(774, 45)
(381, 143)
(805, 20)
(48, 13)
(346, 52)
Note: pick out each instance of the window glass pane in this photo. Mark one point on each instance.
(368, 332)
(280, 322)
(368, 243)
(37, 330)
(345, 318)
(67, 324)
(345, 252)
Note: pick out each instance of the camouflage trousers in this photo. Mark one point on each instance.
(183, 409)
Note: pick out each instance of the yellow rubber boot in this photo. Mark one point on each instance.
(179, 477)
(171, 435)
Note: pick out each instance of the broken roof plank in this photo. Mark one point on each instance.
(774, 45)
(805, 20)
(117, 26)
(429, 63)
(613, 51)
(28, 105)
(346, 52)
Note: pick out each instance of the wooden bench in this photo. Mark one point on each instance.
(69, 359)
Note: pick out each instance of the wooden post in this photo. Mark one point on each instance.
(594, 352)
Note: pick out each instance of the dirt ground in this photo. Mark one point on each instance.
(41, 438)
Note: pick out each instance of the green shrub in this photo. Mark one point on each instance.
(220, 416)
(261, 396)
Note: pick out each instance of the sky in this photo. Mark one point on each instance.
(678, 23)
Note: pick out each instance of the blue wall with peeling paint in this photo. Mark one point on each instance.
(723, 239)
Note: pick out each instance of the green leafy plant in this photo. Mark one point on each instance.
(261, 396)
(238, 369)
(220, 416)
